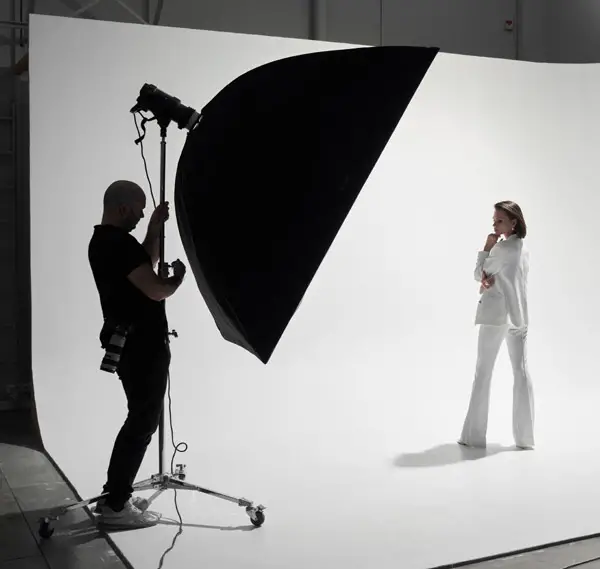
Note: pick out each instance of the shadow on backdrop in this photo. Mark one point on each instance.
(446, 454)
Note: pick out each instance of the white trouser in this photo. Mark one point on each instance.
(490, 340)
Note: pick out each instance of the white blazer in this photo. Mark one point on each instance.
(505, 302)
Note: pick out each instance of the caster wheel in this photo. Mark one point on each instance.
(45, 530)
(257, 517)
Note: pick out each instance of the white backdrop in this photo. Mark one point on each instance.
(379, 359)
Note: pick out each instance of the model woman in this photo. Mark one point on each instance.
(502, 269)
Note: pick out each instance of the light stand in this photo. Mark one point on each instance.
(162, 105)
(163, 272)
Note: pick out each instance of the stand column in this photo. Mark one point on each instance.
(163, 271)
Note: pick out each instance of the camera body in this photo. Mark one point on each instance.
(113, 338)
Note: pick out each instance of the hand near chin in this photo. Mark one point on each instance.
(491, 240)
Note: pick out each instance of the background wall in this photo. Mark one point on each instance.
(544, 31)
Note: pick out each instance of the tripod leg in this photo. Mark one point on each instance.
(256, 513)
(144, 504)
(45, 530)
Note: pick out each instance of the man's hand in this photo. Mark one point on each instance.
(158, 218)
(179, 269)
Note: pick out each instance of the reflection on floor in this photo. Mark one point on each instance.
(30, 486)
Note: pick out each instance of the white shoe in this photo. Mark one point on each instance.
(139, 503)
(128, 518)
(471, 445)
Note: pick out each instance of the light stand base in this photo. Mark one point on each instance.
(160, 483)
(176, 481)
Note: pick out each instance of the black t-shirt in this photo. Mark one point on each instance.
(113, 253)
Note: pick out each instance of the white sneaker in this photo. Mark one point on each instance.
(139, 503)
(129, 517)
(464, 443)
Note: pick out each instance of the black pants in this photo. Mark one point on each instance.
(143, 371)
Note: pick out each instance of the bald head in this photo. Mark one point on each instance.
(124, 204)
(123, 192)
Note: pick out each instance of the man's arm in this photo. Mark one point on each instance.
(153, 286)
(157, 222)
(152, 244)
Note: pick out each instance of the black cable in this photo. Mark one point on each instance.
(175, 446)
(175, 451)
(140, 139)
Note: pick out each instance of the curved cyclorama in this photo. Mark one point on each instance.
(349, 434)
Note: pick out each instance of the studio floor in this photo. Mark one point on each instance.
(29, 486)
(458, 502)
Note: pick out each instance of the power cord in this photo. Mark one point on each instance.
(140, 141)
(177, 446)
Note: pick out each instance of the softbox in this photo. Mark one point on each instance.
(267, 177)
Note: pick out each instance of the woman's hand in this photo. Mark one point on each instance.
(487, 281)
(491, 240)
